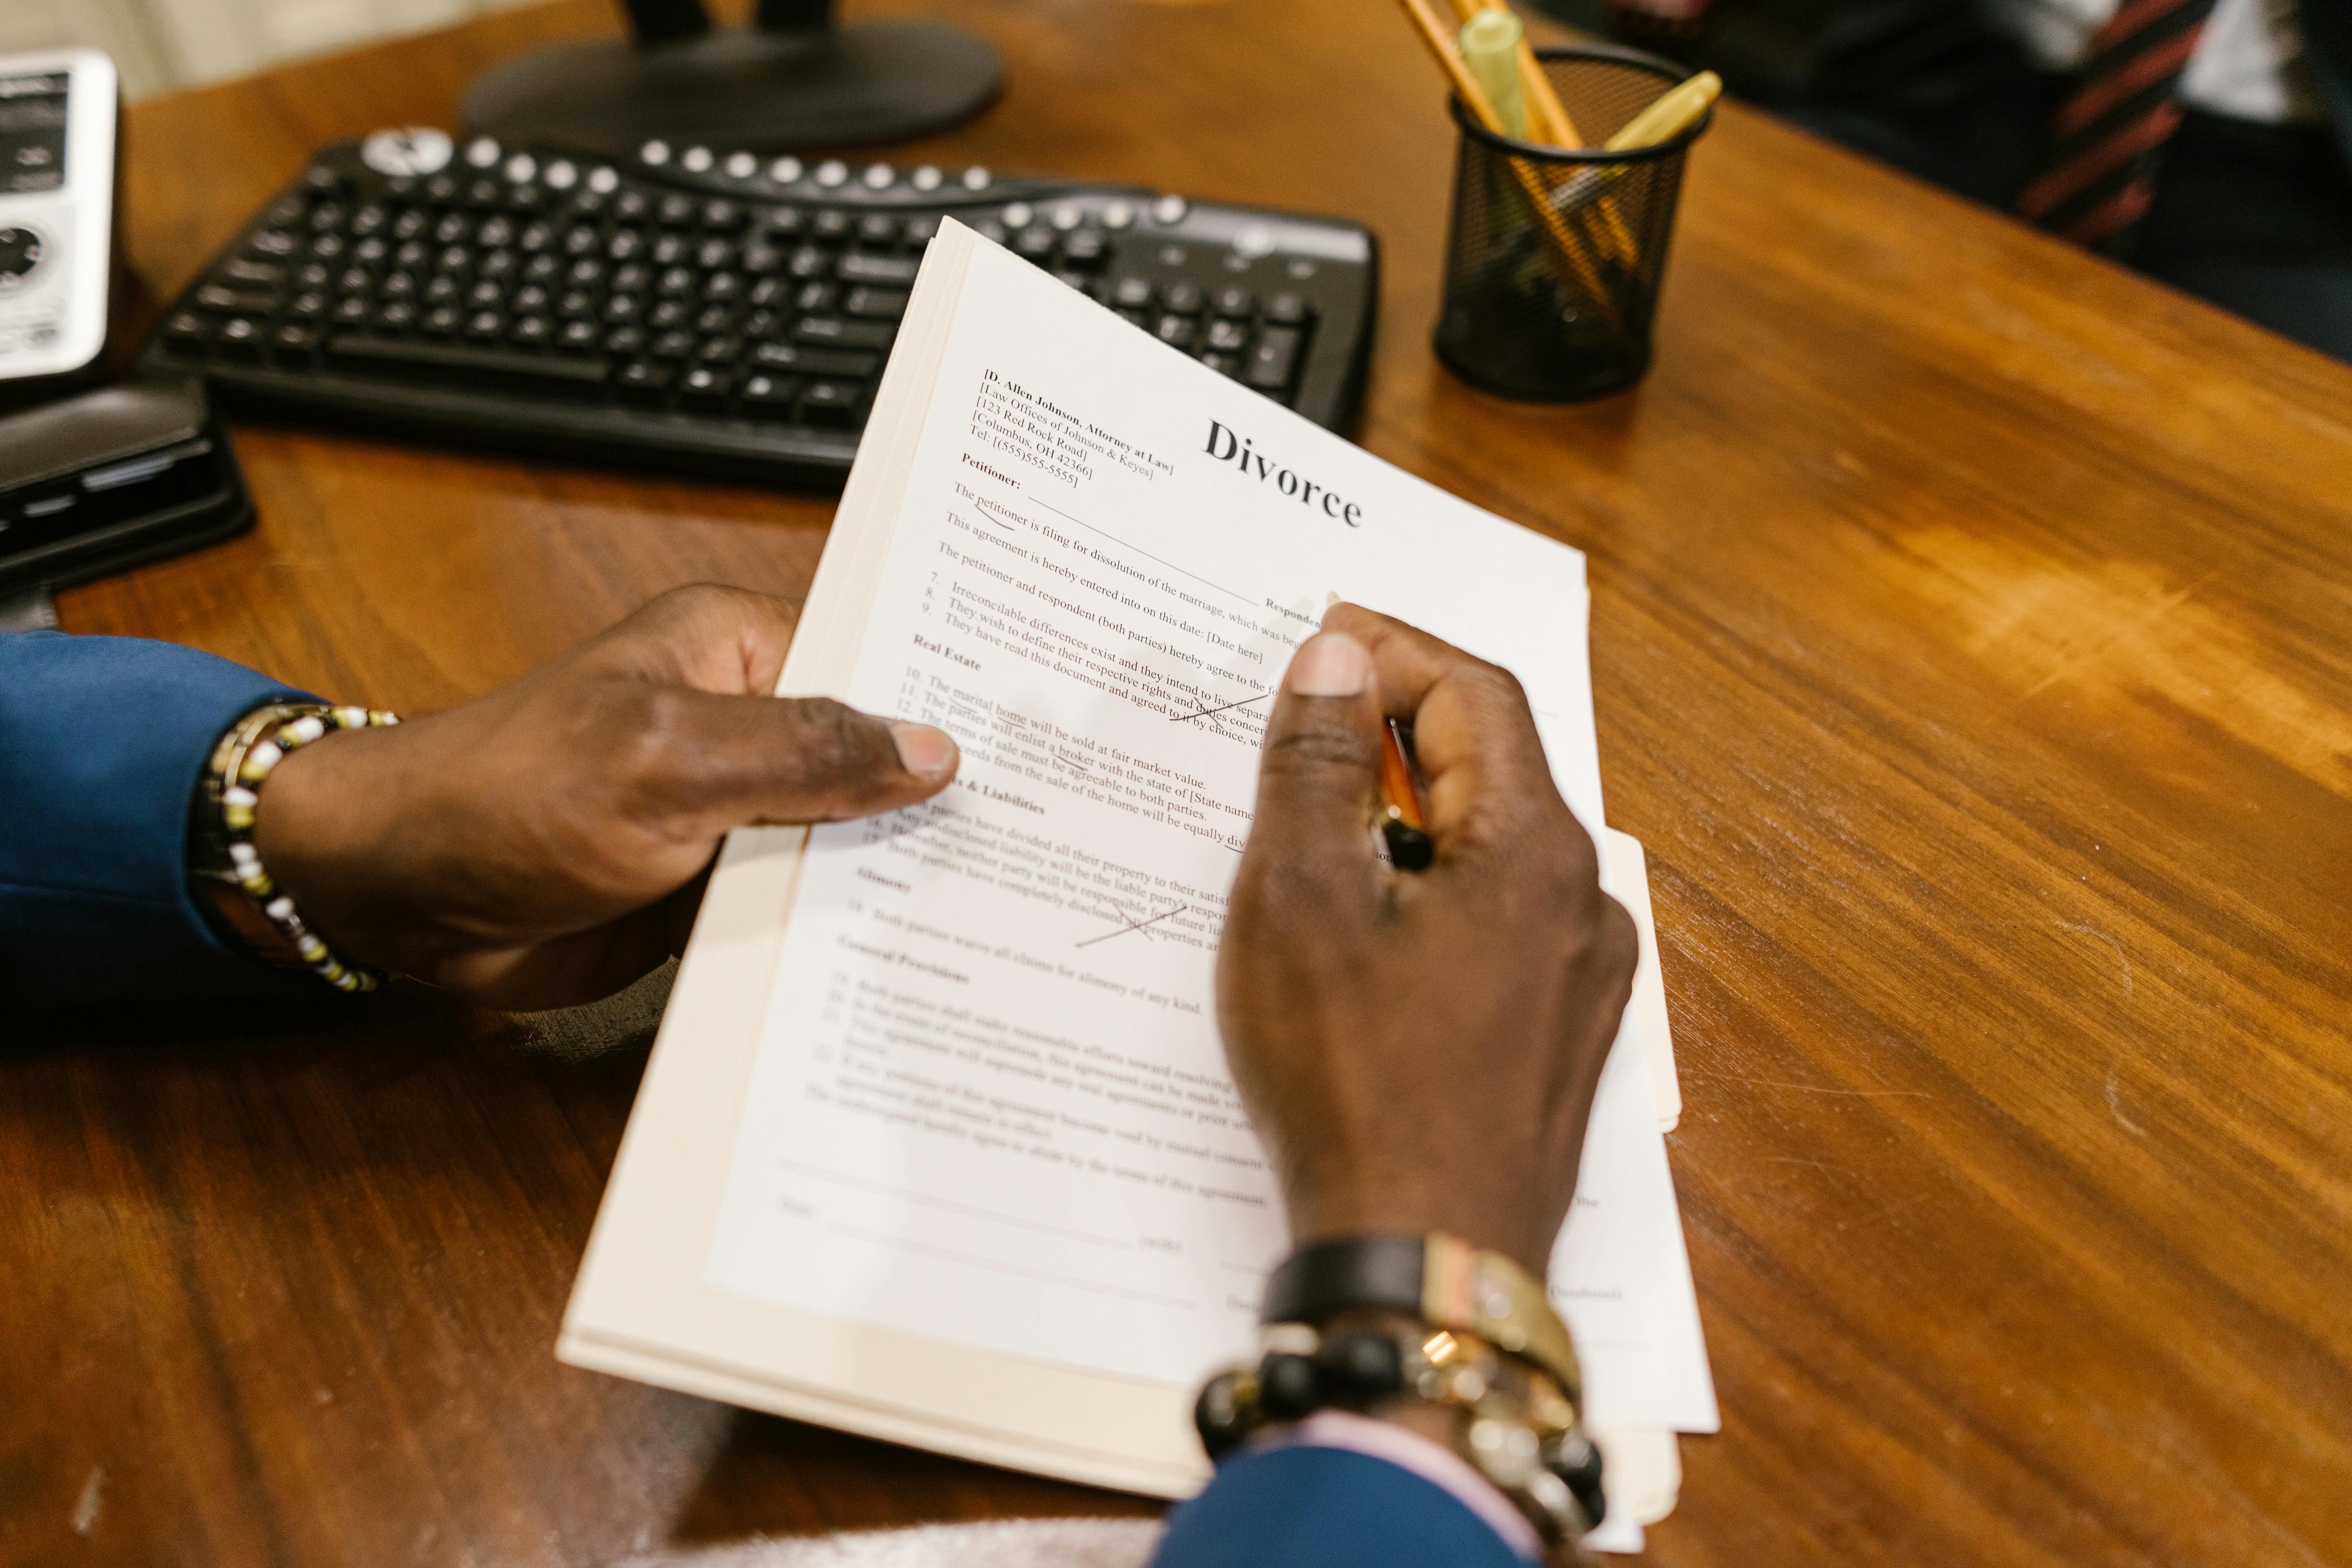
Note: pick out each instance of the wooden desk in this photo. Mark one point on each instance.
(1972, 636)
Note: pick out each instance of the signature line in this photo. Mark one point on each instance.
(1137, 926)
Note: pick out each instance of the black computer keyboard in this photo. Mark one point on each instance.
(712, 311)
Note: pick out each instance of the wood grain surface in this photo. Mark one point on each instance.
(1972, 642)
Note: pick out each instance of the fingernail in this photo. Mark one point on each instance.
(922, 750)
(1329, 665)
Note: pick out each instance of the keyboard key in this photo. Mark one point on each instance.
(396, 317)
(264, 274)
(644, 379)
(530, 300)
(577, 336)
(308, 307)
(1085, 249)
(703, 387)
(714, 319)
(1223, 364)
(441, 320)
(817, 298)
(188, 327)
(833, 330)
(351, 312)
(485, 295)
(857, 266)
(669, 315)
(720, 350)
(1183, 298)
(533, 331)
(1274, 359)
(830, 223)
(625, 341)
(815, 362)
(486, 325)
(1177, 331)
(669, 251)
(273, 242)
(673, 345)
(772, 391)
(1239, 302)
(407, 353)
(623, 308)
(1131, 294)
(676, 211)
(260, 301)
(830, 401)
(1034, 243)
(240, 335)
(877, 228)
(921, 231)
(1227, 337)
(722, 215)
(883, 304)
(1286, 310)
(723, 286)
(676, 280)
(808, 261)
(577, 305)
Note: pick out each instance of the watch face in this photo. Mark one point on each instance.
(21, 250)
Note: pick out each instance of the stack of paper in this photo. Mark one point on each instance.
(938, 1142)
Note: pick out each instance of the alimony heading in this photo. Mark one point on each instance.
(1229, 447)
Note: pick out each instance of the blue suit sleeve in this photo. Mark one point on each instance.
(102, 744)
(1327, 1508)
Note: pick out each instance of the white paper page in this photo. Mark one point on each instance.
(990, 1105)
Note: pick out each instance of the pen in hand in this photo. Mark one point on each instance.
(1410, 847)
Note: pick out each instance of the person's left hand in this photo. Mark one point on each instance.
(547, 844)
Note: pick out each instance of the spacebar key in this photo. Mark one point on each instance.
(359, 348)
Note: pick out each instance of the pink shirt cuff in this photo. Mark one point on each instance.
(1432, 1462)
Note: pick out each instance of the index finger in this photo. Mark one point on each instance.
(1474, 735)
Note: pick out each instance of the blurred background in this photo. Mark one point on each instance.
(159, 45)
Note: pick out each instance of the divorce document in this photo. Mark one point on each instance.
(987, 1103)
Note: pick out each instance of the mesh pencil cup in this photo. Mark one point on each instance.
(1554, 259)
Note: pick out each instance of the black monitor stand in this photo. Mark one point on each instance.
(792, 80)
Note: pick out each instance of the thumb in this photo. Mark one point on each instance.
(733, 761)
(1319, 767)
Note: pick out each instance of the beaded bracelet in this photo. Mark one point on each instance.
(225, 857)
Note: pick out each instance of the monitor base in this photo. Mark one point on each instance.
(728, 89)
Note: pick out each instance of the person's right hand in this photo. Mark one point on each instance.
(1418, 1050)
(546, 844)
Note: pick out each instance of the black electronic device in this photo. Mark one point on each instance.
(96, 483)
(58, 113)
(792, 80)
(712, 309)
